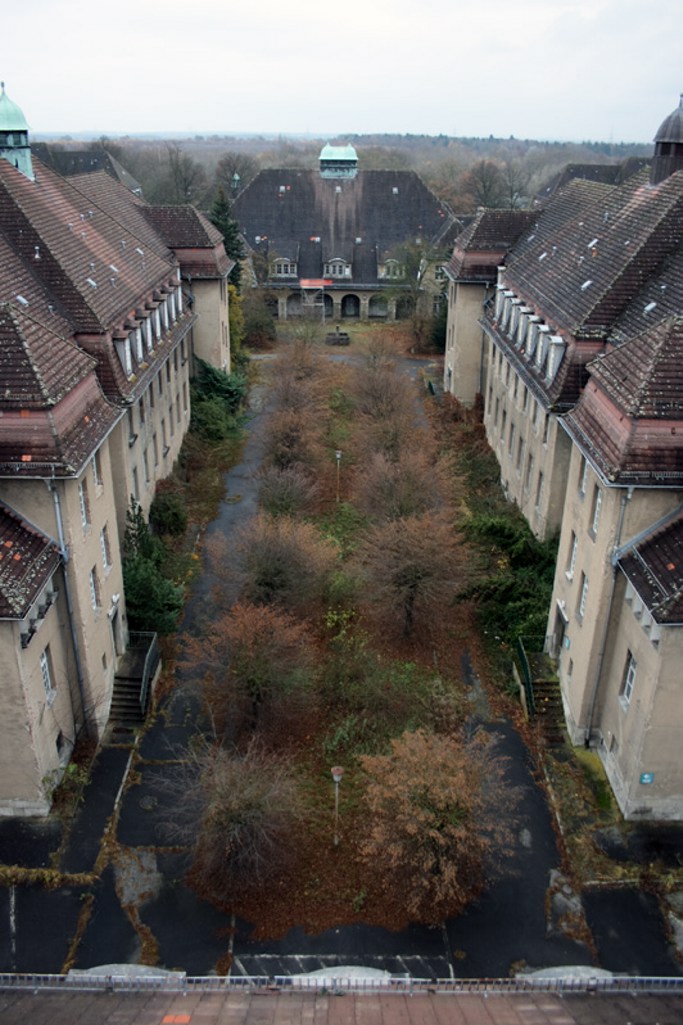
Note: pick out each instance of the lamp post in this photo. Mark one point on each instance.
(337, 773)
(337, 456)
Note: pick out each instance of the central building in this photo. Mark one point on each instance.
(343, 243)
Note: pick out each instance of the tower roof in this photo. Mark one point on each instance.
(11, 116)
(671, 128)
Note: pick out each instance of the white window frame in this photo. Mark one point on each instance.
(94, 588)
(571, 562)
(583, 596)
(84, 504)
(104, 545)
(629, 679)
(46, 675)
(597, 504)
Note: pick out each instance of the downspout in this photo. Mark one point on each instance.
(626, 497)
(64, 552)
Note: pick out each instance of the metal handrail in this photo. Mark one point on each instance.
(148, 640)
(181, 983)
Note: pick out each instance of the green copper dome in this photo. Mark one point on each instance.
(11, 116)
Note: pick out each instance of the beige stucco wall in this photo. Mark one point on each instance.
(33, 722)
(56, 510)
(641, 738)
(465, 345)
(212, 330)
(147, 440)
(532, 451)
(591, 648)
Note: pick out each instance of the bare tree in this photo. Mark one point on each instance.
(438, 820)
(188, 179)
(236, 812)
(284, 562)
(412, 568)
(256, 665)
(234, 171)
(388, 489)
(484, 184)
(287, 491)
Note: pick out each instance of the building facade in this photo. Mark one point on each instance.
(98, 331)
(576, 355)
(340, 243)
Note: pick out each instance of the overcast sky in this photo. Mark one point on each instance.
(543, 69)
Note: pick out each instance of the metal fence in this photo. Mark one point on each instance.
(178, 982)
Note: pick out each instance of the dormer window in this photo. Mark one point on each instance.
(393, 269)
(285, 269)
(123, 352)
(337, 269)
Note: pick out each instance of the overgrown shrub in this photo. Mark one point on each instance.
(167, 514)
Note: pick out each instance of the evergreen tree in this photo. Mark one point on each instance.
(221, 217)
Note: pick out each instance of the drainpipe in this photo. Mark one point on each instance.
(626, 497)
(64, 552)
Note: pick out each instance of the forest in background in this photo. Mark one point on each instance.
(464, 172)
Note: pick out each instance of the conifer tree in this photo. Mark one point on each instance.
(221, 217)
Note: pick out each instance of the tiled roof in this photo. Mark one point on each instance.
(592, 250)
(183, 227)
(89, 262)
(37, 366)
(630, 416)
(482, 246)
(661, 297)
(28, 559)
(655, 568)
(197, 243)
(645, 375)
(608, 174)
(476, 1004)
(288, 208)
(53, 411)
(69, 162)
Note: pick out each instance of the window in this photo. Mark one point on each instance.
(595, 514)
(155, 447)
(285, 268)
(511, 440)
(46, 674)
(393, 269)
(583, 596)
(84, 504)
(546, 428)
(583, 475)
(94, 588)
(628, 679)
(132, 436)
(529, 470)
(520, 453)
(539, 491)
(145, 463)
(141, 410)
(338, 269)
(104, 545)
(571, 560)
(97, 469)
(136, 484)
